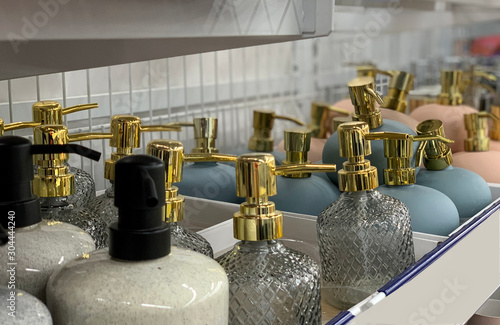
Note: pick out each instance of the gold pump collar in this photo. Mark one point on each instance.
(258, 220)
(436, 154)
(399, 86)
(476, 125)
(319, 116)
(363, 97)
(263, 122)
(15, 126)
(51, 111)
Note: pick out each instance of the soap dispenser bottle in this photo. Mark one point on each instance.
(125, 136)
(363, 97)
(477, 156)
(140, 279)
(172, 154)
(41, 246)
(302, 192)
(54, 184)
(51, 112)
(364, 237)
(208, 179)
(21, 308)
(466, 189)
(268, 282)
(431, 211)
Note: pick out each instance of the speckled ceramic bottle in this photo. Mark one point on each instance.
(172, 154)
(363, 97)
(151, 283)
(28, 310)
(468, 191)
(208, 179)
(364, 237)
(431, 211)
(54, 184)
(302, 193)
(268, 282)
(41, 246)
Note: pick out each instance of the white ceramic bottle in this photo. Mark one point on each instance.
(141, 279)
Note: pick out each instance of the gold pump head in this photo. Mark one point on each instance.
(357, 173)
(319, 117)
(363, 97)
(205, 133)
(398, 149)
(436, 154)
(263, 122)
(451, 88)
(172, 154)
(51, 111)
(258, 220)
(297, 143)
(15, 126)
(495, 128)
(400, 85)
(476, 125)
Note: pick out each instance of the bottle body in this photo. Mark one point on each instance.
(40, 249)
(187, 239)
(431, 211)
(271, 284)
(59, 209)
(183, 287)
(28, 310)
(104, 206)
(309, 195)
(484, 163)
(331, 153)
(468, 191)
(209, 180)
(365, 239)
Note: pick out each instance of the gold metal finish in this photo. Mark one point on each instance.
(256, 173)
(400, 85)
(436, 154)
(339, 120)
(363, 97)
(263, 121)
(89, 136)
(319, 115)
(51, 111)
(476, 125)
(451, 88)
(205, 133)
(209, 157)
(370, 70)
(495, 128)
(297, 143)
(15, 126)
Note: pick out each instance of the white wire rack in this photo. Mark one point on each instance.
(228, 85)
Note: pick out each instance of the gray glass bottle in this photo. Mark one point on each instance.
(364, 237)
(269, 283)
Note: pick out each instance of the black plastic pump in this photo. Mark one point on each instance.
(140, 233)
(18, 205)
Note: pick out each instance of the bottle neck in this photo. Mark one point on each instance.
(54, 202)
(266, 246)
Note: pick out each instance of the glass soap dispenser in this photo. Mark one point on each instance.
(363, 97)
(268, 282)
(41, 246)
(208, 179)
(140, 279)
(466, 189)
(51, 112)
(431, 211)
(125, 135)
(365, 237)
(302, 192)
(172, 154)
(477, 156)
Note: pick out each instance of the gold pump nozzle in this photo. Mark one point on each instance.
(15, 126)
(51, 111)
(319, 116)
(400, 85)
(363, 97)
(256, 173)
(263, 122)
(398, 149)
(436, 154)
(476, 125)
(172, 154)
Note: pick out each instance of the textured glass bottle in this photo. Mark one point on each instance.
(54, 184)
(172, 154)
(268, 282)
(364, 237)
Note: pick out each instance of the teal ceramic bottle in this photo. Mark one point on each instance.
(431, 211)
(208, 179)
(466, 189)
(302, 193)
(363, 98)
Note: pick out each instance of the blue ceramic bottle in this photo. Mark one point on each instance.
(208, 179)
(466, 189)
(363, 98)
(302, 193)
(431, 211)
